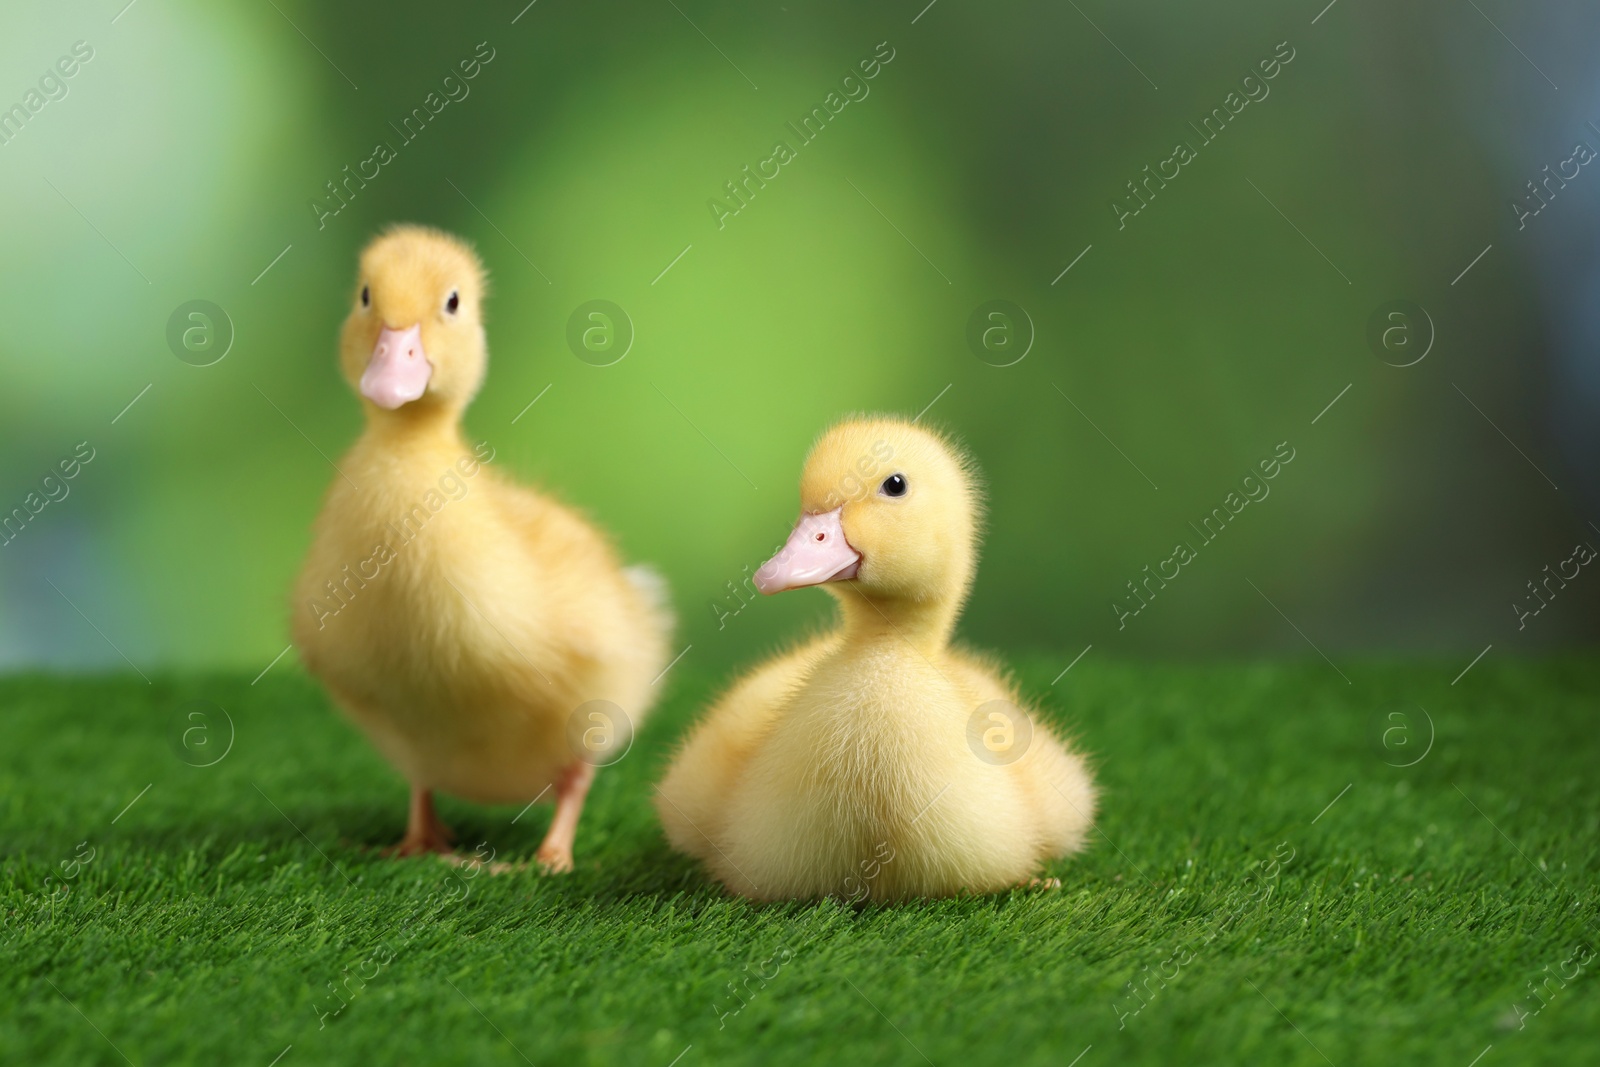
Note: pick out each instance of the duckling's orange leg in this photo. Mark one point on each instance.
(425, 832)
(555, 855)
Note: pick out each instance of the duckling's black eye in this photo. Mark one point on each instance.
(453, 303)
(366, 297)
(894, 485)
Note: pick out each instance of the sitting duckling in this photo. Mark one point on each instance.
(877, 762)
(483, 635)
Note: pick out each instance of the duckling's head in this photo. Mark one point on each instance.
(414, 336)
(888, 509)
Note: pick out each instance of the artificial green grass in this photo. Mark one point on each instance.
(1401, 924)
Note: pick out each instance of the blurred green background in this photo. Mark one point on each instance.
(1219, 322)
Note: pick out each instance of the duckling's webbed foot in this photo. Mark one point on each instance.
(555, 854)
(425, 832)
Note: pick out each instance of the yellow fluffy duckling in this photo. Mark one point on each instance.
(877, 762)
(483, 635)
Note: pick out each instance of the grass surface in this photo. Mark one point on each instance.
(1402, 924)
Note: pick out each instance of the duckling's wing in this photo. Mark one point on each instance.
(982, 674)
(692, 798)
(1054, 778)
(598, 611)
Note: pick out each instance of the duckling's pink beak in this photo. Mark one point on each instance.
(399, 370)
(816, 552)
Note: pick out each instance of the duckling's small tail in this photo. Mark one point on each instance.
(657, 595)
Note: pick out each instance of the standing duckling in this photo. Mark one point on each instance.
(483, 635)
(877, 762)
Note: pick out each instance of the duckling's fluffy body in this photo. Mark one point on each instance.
(465, 657)
(459, 619)
(846, 767)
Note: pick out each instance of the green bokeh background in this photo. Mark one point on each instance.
(983, 161)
